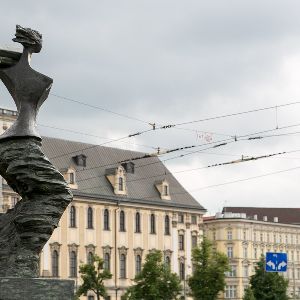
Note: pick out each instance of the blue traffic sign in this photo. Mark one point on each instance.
(276, 262)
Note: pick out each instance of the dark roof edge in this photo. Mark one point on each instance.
(140, 201)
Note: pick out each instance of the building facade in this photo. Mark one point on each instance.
(244, 234)
(122, 210)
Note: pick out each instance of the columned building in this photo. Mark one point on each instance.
(245, 233)
(122, 210)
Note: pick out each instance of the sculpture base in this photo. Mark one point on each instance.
(36, 289)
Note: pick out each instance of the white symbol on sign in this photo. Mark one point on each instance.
(282, 265)
(271, 265)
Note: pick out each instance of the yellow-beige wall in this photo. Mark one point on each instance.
(258, 238)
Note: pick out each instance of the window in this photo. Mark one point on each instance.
(245, 271)
(106, 219)
(229, 235)
(91, 297)
(268, 237)
(107, 261)
(255, 253)
(261, 237)
(138, 264)
(230, 291)
(194, 219)
(168, 261)
(121, 184)
(73, 264)
(254, 236)
(72, 178)
(214, 235)
(166, 190)
(55, 264)
(90, 218)
(72, 216)
(181, 218)
(245, 252)
(90, 257)
(122, 220)
(230, 252)
(194, 241)
(122, 266)
(232, 272)
(167, 225)
(182, 271)
(181, 241)
(137, 222)
(152, 223)
(14, 201)
(244, 235)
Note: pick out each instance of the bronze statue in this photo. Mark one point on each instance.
(26, 228)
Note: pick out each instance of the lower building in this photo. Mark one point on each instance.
(245, 233)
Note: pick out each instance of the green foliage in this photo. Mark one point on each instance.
(155, 281)
(248, 294)
(268, 285)
(93, 276)
(208, 278)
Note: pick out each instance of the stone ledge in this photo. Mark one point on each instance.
(36, 289)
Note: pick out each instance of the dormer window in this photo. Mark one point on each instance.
(117, 178)
(70, 177)
(121, 184)
(164, 189)
(80, 160)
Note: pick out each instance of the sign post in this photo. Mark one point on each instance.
(276, 262)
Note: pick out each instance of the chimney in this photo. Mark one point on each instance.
(265, 218)
(275, 219)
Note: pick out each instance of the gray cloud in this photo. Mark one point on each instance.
(169, 62)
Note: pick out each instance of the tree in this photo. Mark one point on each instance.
(93, 275)
(268, 285)
(155, 281)
(208, 277)
(248, 295)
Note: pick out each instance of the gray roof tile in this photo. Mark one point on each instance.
(92, 181)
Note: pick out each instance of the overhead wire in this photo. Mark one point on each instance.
(154, 127)
(231, 182)
(243, 159)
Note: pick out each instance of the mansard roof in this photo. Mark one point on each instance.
(92, 182)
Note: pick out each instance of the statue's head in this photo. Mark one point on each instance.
(28, 38)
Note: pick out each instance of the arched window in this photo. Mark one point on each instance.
(73, 264)
(106, 219)
(121, 184)
(138, 264)
(55, 264)
(167, 225)
(152, 223)
(122, 220)
(90, 258)
(72, 216)
(123, 266)
(90, 218)
(107, 261)
(137, 222)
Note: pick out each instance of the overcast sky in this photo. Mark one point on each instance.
(172, 62)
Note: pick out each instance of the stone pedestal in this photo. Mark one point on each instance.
(36, 289)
